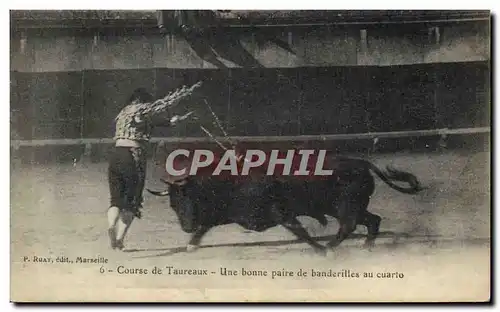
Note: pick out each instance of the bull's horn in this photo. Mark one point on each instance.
(165, 181)
(179, 182)
(158, 193)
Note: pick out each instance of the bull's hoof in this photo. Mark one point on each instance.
(321, 251)
(333, 244)
(369, 245)
(191, 248)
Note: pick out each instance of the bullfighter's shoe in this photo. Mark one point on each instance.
(119, 244)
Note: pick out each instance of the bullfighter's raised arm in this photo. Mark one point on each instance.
(171, 99)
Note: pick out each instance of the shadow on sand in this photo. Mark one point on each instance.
(395, 237)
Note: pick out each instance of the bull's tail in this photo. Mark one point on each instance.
(392, 174)
(398, 175)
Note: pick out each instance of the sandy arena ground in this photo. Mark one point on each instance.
(438, 242)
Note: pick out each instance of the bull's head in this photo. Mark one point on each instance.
(181, 202)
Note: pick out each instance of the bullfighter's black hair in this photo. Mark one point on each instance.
(141, 95)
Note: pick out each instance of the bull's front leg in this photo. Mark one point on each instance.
(194, 242)
(294, 226)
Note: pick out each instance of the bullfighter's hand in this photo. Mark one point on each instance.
(178, 118)
(174, 119)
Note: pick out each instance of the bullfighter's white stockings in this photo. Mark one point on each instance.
(122, 226)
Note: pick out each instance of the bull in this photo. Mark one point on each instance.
(261, 202)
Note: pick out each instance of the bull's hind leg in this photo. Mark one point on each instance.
(294, 226)
(347, 221)
(372, 223)
(347, 226)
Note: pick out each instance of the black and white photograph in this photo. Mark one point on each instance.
(250, 155)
